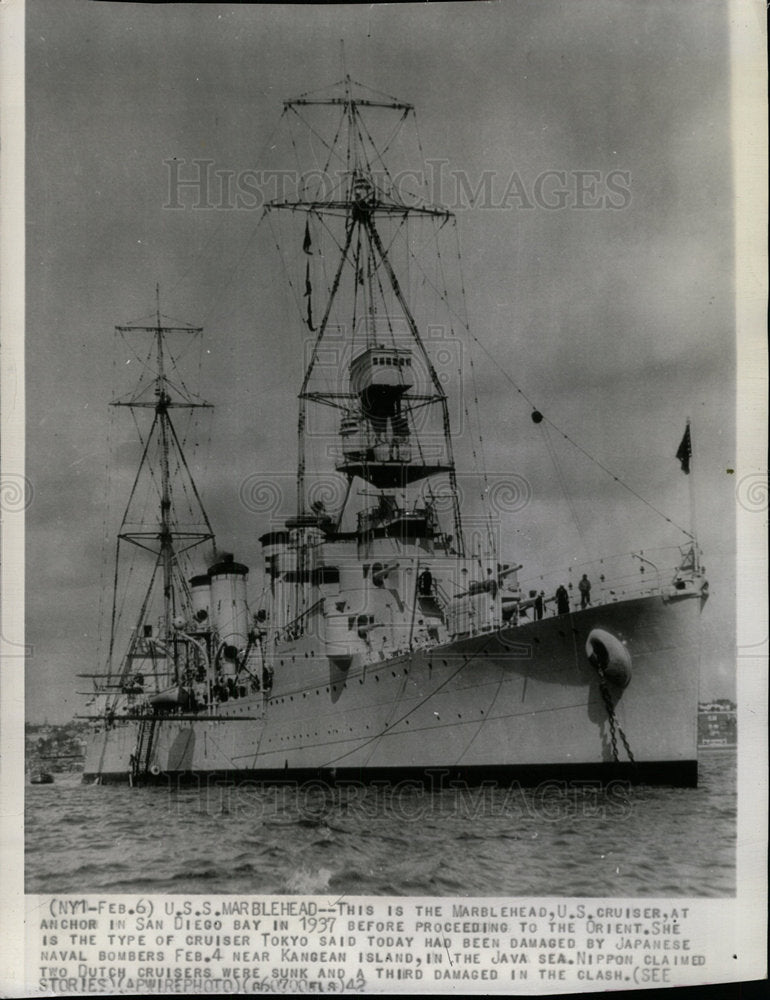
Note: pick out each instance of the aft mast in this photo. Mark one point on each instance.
(171, 534)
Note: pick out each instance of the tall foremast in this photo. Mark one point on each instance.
(379, 444)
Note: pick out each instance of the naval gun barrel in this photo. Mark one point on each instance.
(380, 575)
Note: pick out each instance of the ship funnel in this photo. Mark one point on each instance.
(200, 594)
(229, 613)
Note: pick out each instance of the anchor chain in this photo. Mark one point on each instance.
(614, 724)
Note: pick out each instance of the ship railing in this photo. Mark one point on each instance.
(373, 517)
(618, 577)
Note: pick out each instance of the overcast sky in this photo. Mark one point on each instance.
(617, 323)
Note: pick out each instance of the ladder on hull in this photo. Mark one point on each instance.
(141, 758)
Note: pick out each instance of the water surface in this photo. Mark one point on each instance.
(395, 841)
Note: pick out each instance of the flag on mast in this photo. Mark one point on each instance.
(684, 453)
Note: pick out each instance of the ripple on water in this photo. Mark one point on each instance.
(662, 841)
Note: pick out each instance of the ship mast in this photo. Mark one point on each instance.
(161, 410)
(167, 538)
(364, 202)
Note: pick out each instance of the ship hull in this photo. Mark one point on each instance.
(520, 704)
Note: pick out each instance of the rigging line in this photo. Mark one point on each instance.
(466, 319)
(332, 150)
(477, 407)
(318, 90)
(186, 496)
(151, 471)
(196, 338)
(107, 511)
(399, 227)
(338, 187)
(391, 191)
(317, 215)
(144, 363)
(113, 619)
(120, 610)
(330, 303)
(438, 292)
(126, 665)
(575, 444)
(297, 159)
(432, 232)
(428, 199)
(356, 265)
(563, 485)
(148, 319)
(141, 463)
(579, 447)
(329, 377)
(334, 142)
(225, 288)
(405, 308)
(484, 491)
(444, 296)
(387, 315)
(416, 437)
(396, 130)
(199, 254)
(187, 393)
(285, 266)
(378, 155)
(380, 93)
(184, 324)
(434, 691)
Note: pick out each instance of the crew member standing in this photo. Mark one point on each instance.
(562, 600)
(585, 592)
